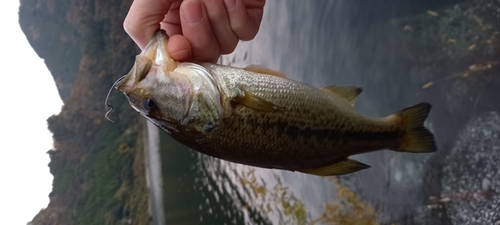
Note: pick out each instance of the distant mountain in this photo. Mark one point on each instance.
(98, 166)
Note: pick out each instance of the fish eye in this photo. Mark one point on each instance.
(149, 104)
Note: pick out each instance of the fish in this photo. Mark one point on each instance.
(258, 117)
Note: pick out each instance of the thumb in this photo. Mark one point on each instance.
(144, 18)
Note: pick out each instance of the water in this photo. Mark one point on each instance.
(370, 44)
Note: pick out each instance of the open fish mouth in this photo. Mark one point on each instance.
(153, 59)
(155, 53)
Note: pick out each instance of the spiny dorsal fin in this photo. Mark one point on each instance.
(349, 93)
(251, 101)
(264, 70)
(343, 167)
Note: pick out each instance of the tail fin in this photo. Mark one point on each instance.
(417, 138)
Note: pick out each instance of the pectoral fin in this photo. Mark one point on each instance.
(251, 101)
(343, 167)
(349, 93)
(264, 70)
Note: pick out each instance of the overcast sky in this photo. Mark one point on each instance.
(28, 97)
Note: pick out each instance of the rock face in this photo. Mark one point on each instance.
(97, 166)
(471, 177)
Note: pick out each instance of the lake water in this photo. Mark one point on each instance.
(370, 44)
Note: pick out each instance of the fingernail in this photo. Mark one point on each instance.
(230, 4)
(192, 13)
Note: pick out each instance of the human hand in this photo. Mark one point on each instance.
(199, 30)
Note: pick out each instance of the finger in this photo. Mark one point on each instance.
(219, 21)
(197, 30)
(172, 22)
(245, 17)
(144, 18)
(180, 48)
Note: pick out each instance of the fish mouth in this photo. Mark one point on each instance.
(155, 54)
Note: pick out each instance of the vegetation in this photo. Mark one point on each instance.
(347, 208)
(98, 166)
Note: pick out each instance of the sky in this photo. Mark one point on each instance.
(28, 97)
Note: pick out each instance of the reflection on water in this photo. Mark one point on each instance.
(154, 174)
(392, 49)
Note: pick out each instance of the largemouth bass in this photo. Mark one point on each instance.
(255, 116)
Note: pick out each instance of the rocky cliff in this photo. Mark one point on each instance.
(97, 165)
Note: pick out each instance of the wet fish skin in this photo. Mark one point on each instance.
(265, 120)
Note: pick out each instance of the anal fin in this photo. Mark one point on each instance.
(264, 70)
(343, 167)
(251, 101)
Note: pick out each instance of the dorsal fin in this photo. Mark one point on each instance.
(264, 70)
(348, 93)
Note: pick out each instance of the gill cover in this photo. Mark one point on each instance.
(205, 112)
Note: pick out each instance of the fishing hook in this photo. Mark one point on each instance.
(107, 97)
